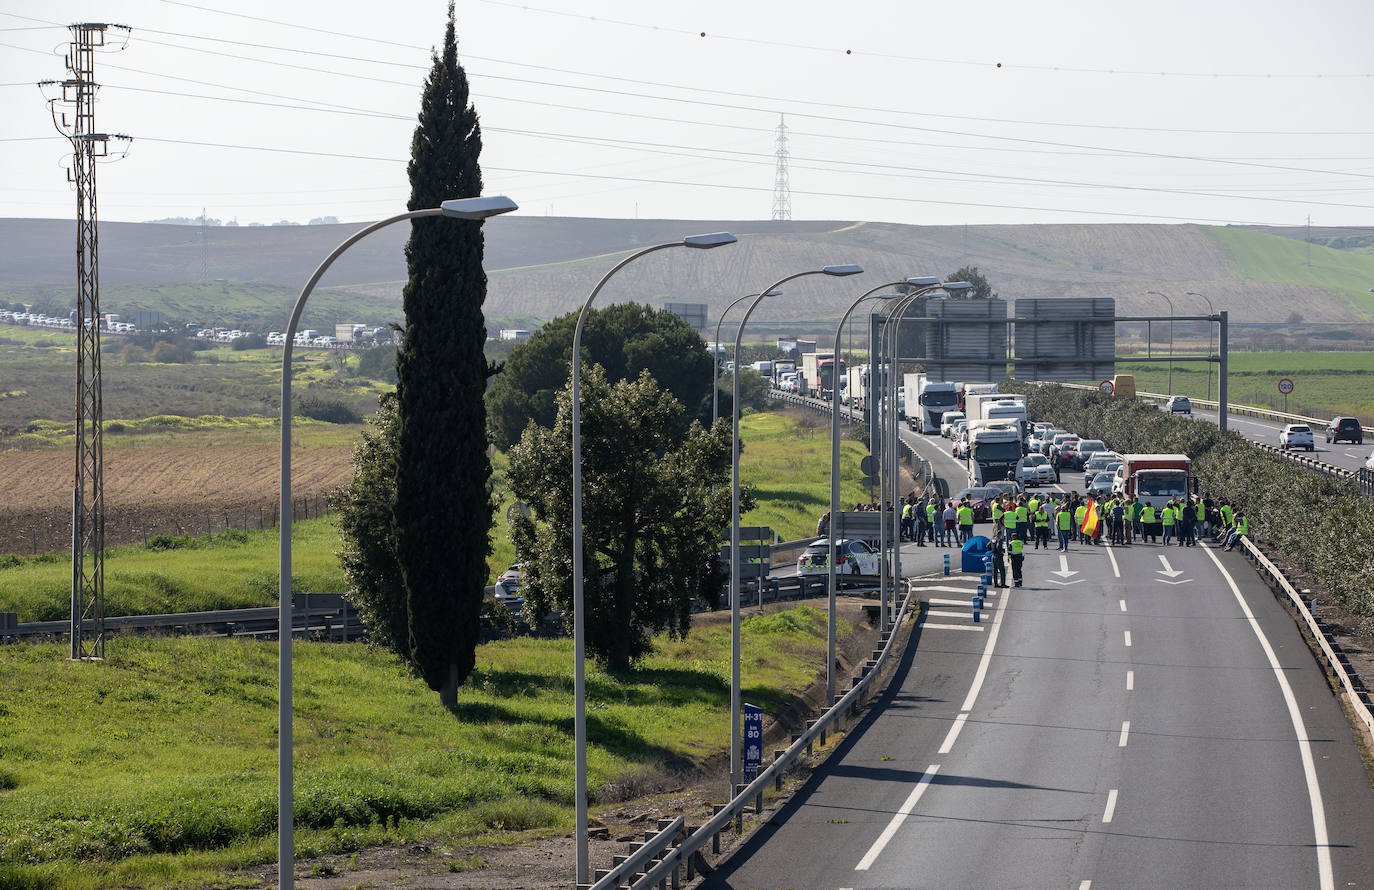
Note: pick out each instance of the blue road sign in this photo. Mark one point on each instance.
(753, 741)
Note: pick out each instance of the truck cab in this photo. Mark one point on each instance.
(1154, 478)
(994, 450)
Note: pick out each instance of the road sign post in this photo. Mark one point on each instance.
(1285, 387)
(1105, 387)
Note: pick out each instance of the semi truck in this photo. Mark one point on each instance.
(1005, 407)
(780, 368)
(1154, 478)
(994, 450)
(818, 374)
(927, 401)
(963, 390)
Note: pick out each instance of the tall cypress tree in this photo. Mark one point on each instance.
(443, 507)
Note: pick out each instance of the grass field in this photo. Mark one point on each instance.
(1259, 256)
(157, 767)
(1325, 383)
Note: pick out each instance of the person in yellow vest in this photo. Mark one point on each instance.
(1079, 513)
(1167, 517)
(933, 517)
(1199, 520)
(1238, 531)
(1063, 520)
(965, 516)
(1033, 503)
(1041, 520)
(1227, 519)
(1149, 525)
(996, 510)
(1018, 557)
(1009, 521)
(1023, 515)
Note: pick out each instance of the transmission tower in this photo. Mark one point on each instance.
(782, 192)
(88, 490)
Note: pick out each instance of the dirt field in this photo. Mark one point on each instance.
(161, 489)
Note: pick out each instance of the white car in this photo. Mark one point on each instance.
(851, 557)
(947, 421)
(1034, 469)
(1297, 435)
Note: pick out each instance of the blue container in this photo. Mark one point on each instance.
(974, 552)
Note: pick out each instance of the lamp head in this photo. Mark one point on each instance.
(924, 281)
(957, 285)
(706, 242)
(887, 296)
(772, 293)
(477, 208)
(841, 271)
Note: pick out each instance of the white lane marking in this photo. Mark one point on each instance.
(1125, 731)
(898, 818)
(1116, 570)
(1111, 806)
(941, 613)
(941, 602)
(1128, 637)
(973, 627)
(1130, 681)
(1086, 885)
(981, 674)
(948, 588)
(953, 733)
(1314, 793)
(1123, 605)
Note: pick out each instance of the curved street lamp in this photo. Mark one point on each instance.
(699, 242)
(1211, 332)
(836, 271)
(715, 360)
(460, 208)
(1171, 336)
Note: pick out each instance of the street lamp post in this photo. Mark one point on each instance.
(1211, 332)
(699, 242)
(461, 208)
(837, 271)
(835, 486)
(715, 360)
(1171, 336)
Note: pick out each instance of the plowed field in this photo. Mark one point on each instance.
(161, 489)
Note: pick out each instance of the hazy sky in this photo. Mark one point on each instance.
(1210, 111)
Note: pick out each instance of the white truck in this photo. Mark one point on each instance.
(963, 390)
(994, 450)
(927, 401)
(1004, 407)
(780, 368)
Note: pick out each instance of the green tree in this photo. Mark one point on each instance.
(655, 506)
(443, 506)
(367, 531)
(981, 290)
(625, 339)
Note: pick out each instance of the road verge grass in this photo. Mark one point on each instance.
(156, 767)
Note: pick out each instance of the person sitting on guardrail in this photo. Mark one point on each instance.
(1227, 518)
(1239, 530)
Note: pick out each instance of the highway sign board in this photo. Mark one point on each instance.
(1105, 387)
(1286, 385)
(753, 741)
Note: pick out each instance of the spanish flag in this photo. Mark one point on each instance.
(1090, 519)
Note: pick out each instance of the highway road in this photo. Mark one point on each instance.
(1133, 716)
(1341, 454)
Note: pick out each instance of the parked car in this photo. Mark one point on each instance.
(960, 447)
(1101, 462)
(1297, 435)
(947, 421)
(1039, 437)
(1005, 488)
(1047, 440)
(510, 579)
(980, 499)
(1089, 448)
(851, 557)
(1035, 469)
(1102, 484)
(1347, 428)
(1178, 405)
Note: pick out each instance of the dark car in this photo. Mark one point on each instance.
(980, 499)
(1347, 428)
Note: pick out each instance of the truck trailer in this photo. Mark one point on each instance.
(994, 450)
(1005, 407)
(818, 374)
(927, 401)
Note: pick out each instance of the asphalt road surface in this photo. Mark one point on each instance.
(1138, 717)
(1341, 454)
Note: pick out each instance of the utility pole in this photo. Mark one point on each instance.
(782, 191)
(88, 490)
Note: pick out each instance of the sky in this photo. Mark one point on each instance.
(977, 112)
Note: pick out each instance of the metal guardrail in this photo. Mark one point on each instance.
(326, 613)
(668, 853)
(1355, 693)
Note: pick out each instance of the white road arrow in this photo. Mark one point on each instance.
(1166, 581)
(1079, 581)
(1168, 571)
(1064, 568)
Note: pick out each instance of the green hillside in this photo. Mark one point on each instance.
(1345, 275)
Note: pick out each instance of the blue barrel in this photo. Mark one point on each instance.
(974, 552)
